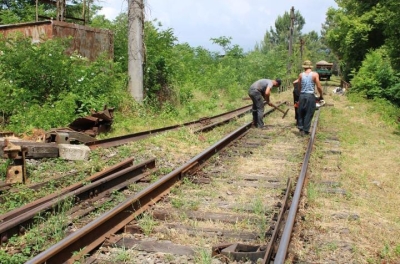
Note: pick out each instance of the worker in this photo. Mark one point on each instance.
(258, 92)
(307, 81)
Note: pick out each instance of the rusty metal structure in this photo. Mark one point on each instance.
(83, 129)
(87, 41)
(16, 172)
(98, 122)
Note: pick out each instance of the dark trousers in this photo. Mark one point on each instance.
(305, 111)
(296, 95)
(258, 107)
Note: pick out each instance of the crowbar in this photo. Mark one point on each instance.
(284, 112)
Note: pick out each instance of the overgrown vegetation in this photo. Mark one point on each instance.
(365, 36)
(43, 87)
(179, 80)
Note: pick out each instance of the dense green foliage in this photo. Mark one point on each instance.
(364, 35)
(376, 78)
(17, 11)
(43, 87)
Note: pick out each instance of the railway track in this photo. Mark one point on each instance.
(200, 125)
(18, 221)
(217, 201)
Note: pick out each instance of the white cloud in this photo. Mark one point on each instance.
(246, 21)
(112, 8)
(109, 12)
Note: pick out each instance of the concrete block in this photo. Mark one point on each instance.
(73, 152)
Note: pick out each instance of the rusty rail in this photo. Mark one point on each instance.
(215, 120)
(92, 235)
(17, 223)
(99, 175)
(287, 231)
(279, 222)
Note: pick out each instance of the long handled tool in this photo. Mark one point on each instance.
(284, 112)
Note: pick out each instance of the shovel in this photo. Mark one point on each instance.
(280, 110)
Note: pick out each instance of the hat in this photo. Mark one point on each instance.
(279, 81)
(307, 64)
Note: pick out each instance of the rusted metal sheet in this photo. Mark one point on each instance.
(37, 31)
(89, 42)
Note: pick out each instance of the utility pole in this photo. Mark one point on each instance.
(135, 49)
(291, 39)
(301, 49)
(84, 12)
(37, 12)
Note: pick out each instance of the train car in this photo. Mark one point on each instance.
(324, 70)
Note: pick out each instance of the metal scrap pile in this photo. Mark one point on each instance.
(83, 129)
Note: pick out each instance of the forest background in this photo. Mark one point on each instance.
(183, 83)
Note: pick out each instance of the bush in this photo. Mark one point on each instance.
(43, 87)
(376, 78)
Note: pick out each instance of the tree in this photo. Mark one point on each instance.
(280, 36)
(364, 36)
(352, 30)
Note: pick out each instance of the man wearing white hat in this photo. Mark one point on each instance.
(307, 82)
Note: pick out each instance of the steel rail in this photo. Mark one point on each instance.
(279, 222)
(99, 175)
(287, 231)
(117, 141)
(92, 235)
(96, 232)
(18, 224)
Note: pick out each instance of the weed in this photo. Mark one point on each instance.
(397, 250)
(177, 202)
(331, 246)
(258, 206)
(312, 192)
(122, 256)
(385, 251)
(147, 223)
(203, 256)
(169, 257)
(14, 259)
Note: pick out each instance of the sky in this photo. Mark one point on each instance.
(245, 21)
